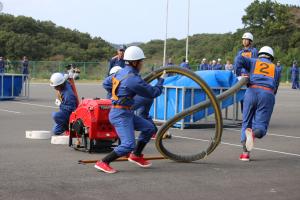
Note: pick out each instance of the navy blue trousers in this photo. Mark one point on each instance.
(257, 111)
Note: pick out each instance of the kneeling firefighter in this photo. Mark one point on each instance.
(124, 86)
(67, 102)
(259, 98)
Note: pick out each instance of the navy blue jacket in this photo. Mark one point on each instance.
(131, 86)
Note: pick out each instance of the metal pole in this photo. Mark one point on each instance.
(2, 87)
(287, 75)
(122, 159)
(188, 32)
(166, 34)
(12, 85)
(182, 106)
(165, 103)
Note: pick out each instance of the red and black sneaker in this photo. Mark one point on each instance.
(249, 139)
(105, 167)
(139, 160)
(245, 156)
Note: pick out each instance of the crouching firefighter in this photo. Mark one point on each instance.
(124, 86)
(259, 98)
(66, 100)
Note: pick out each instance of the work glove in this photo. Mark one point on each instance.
(57, 102)
(164, 75)
(243, 76)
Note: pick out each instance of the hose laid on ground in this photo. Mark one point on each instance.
(212, 101)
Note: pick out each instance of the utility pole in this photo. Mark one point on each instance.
(166, 34)
(188, 30)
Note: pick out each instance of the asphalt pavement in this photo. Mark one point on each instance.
(35, 169)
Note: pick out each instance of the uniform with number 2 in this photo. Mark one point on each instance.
(259, 98)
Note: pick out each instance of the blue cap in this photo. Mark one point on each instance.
(122, 48)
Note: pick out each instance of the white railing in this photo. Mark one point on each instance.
(232, 109)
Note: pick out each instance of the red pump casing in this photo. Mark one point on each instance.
(94, 115)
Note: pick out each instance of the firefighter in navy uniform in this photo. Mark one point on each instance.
(123, 86)
(278, 71)
(118, 60)
(67, 102)
(141, 106)
(259, 98)
(249, 52)
(25, 66)
(204, 65)
(295, 76)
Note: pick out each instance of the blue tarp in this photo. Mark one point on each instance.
(12, 86)
(215, 79)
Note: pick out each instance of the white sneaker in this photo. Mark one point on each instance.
(249, 139)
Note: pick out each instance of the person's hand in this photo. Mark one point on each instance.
(164, 75)
(57, 102)
(243, 76)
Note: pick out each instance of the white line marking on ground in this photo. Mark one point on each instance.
(10, 111)
(272, 134)
(189, 138)
(38, 105)
(237, 145)
(289, 106)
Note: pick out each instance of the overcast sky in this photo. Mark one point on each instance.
(125, 21)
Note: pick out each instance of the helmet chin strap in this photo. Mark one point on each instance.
(135, 64)
(266, 56)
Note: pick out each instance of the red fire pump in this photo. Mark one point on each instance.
(90, 127)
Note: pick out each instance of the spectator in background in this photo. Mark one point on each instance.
(214, 65)
(219, 66)
(229, 66)
(185, 64)
(2, 65)
(72, 71)
(204, 65)
(278, 71)
(210, 63)
(118, 59)
(170, 63)
(25, 65)
(294, 76)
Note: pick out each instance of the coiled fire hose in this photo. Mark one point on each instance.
(211, 101)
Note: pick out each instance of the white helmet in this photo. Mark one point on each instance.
(114, 70)
(57, 79)
(134, 53)
(219, 59)
(266, 50)
(248, 36)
